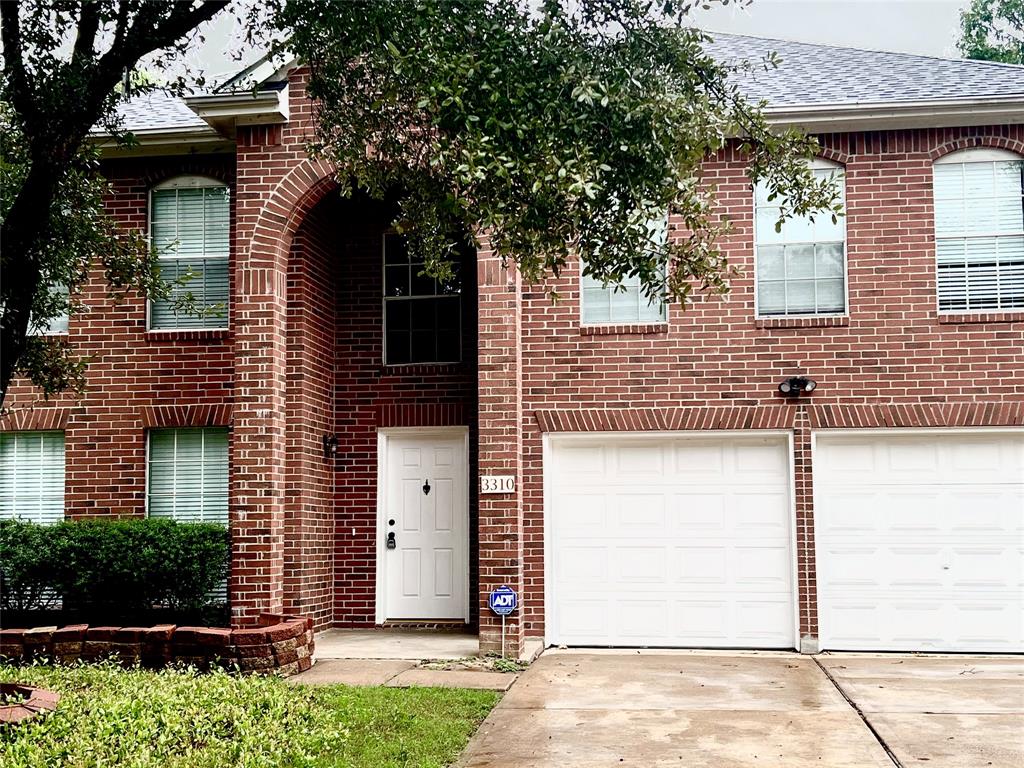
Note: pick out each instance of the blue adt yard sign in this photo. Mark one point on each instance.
(503, 600)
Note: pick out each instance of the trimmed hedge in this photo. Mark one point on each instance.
(116, 567)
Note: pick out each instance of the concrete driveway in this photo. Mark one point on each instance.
(725, 710)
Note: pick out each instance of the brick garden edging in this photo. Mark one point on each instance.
(280, 644)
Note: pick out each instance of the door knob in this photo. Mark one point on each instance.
(391, 543)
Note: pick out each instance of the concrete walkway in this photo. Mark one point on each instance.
(408, 644)
(396, 673)
(738, 710)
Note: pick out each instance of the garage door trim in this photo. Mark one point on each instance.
(550, 440)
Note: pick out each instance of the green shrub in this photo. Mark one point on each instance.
(120, 566)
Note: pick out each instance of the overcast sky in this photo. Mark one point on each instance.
(913, 26)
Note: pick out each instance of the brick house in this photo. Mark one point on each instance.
(388, 449)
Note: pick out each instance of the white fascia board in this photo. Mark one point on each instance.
(862, 116)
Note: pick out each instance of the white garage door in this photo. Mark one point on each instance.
(920, 541)
(669, 541)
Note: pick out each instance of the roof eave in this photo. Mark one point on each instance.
(224, 112)
(932, 113)
(164, 141)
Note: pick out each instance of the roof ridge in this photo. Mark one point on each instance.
(713, 35)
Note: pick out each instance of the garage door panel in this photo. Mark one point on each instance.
(690, 552)
(933, 559)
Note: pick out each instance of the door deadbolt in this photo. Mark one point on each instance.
(391, 543)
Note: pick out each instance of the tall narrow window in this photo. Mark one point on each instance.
(32, 476)
(801, 269)
(979, 230)
(422, 316)
(190, 225)
(626, 303)
(188, 474)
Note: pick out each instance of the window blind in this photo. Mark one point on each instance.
(190, 229)
(32, 476)
(979, 235)
(188, 474)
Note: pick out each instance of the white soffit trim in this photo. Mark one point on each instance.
(934, 113)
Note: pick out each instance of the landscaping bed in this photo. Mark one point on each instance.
(109, 716)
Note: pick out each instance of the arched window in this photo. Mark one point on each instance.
(979, 230)
(801, 269)
(190, 227)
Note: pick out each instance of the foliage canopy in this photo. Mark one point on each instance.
(993, 30)
(559, 127)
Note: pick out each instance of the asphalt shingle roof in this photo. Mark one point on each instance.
(808, 75)
(811, 74)
(156, 112)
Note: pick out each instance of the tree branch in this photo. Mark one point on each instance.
(14, 63)
(88, 25)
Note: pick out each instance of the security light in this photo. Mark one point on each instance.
(330, 446)
(797, 386)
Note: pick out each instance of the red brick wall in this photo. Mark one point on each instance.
(892, 349)
(131, 369)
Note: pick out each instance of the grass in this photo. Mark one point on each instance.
(177, 718)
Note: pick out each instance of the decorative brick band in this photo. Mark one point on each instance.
(917, 415)
(186, 415)
(31, 419)
(423, 415)
(676, 419)
(280, 644)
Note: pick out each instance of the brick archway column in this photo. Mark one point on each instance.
(257, 485)
(500, 415)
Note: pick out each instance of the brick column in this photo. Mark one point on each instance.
(258, 468)
(807, 587)
(500, 445)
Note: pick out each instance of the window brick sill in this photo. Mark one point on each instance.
(188, 334)
(802, 322)
(980, 317)
(624, 329)
(423, 369)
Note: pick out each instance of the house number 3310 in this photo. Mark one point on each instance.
(497, 483)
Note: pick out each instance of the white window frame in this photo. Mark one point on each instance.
(188, 182)
(149, 436)
(418, 297)
(976, 155)
(641, 296)
(63, 488)
(817, 163)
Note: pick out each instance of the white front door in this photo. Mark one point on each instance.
(669, 540)
(920, 541)
(424, 526)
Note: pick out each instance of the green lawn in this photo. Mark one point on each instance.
(181, 719)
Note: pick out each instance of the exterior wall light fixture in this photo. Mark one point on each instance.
(330, 446)
(797, 386)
